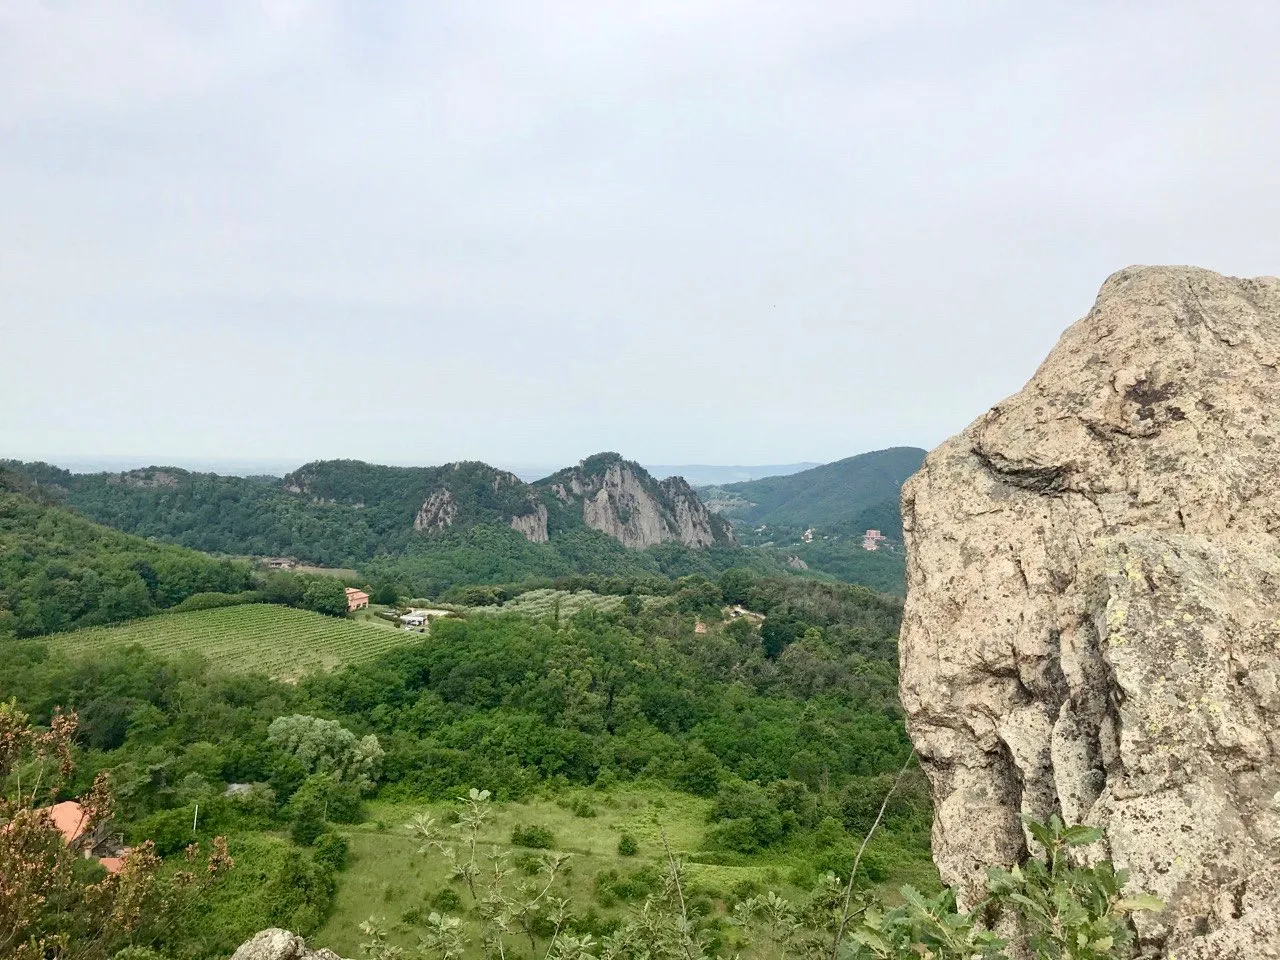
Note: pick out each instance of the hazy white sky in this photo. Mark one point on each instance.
(523, 232)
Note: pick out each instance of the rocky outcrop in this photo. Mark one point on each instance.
(620, 498)
(147, 478)
(1092, 623)
(693, 521)
(533, 524)
(276, 944)
(438, 511)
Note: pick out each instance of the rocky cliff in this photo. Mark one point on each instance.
(620, 498)
(1092, 623)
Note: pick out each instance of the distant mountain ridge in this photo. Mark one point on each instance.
(358, 510)
(860, 491)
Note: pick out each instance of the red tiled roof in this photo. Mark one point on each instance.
(70, 819)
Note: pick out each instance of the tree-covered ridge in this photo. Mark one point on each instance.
(393, 495)
(346, 513)
(334, 512)
(492, 555)
(59, 571)
(859, 491)
(221, 514)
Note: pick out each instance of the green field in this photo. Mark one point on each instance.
(391, 880)
(278, 641)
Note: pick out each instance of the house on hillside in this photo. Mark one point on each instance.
(280, 563)
(356, 599)
(872, 539)
(71, 820)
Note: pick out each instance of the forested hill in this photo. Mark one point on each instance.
(59, 571)
(426, 529)
(341, 512)
(854, 494)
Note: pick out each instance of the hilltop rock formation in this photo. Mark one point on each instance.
(276, 944)
(620, 498)
(1093, 623)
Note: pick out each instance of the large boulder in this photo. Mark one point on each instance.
(277, 944)
(1092, 623)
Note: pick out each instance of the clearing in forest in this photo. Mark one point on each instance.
(279, 641)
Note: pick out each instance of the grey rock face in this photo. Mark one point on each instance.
(619, 502)
(533, 524)
(438, 511)
(276, 944)
(1092, 623)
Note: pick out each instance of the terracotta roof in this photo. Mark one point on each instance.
(112, 864)
(70, 819)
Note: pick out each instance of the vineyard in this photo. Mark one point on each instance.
(279, 641)
(541, 604)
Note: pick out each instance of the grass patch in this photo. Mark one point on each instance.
(387, 878)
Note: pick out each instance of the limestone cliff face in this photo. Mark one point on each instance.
(438, 511)
(533, 524)
(620, 499)
(1092, 623)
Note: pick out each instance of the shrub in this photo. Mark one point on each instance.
(446, 899)
(332, 850)
(528, 864)
(307, 818)
(534, 837)
(627, 846)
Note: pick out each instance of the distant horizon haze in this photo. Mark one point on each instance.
(697, 474)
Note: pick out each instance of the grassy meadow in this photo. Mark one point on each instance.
(388, 879)
(281, 642)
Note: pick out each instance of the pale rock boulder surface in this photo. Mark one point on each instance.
(276, 944)
(1092, 623)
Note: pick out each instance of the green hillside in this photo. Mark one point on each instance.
(857, 492)
(351, 514)
(59, 571)
(264, 638)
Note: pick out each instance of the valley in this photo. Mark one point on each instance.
(593, 669)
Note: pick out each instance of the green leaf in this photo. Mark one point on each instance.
(1081, 836)
(1140, 901)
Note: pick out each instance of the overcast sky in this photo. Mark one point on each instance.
(723, 232)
